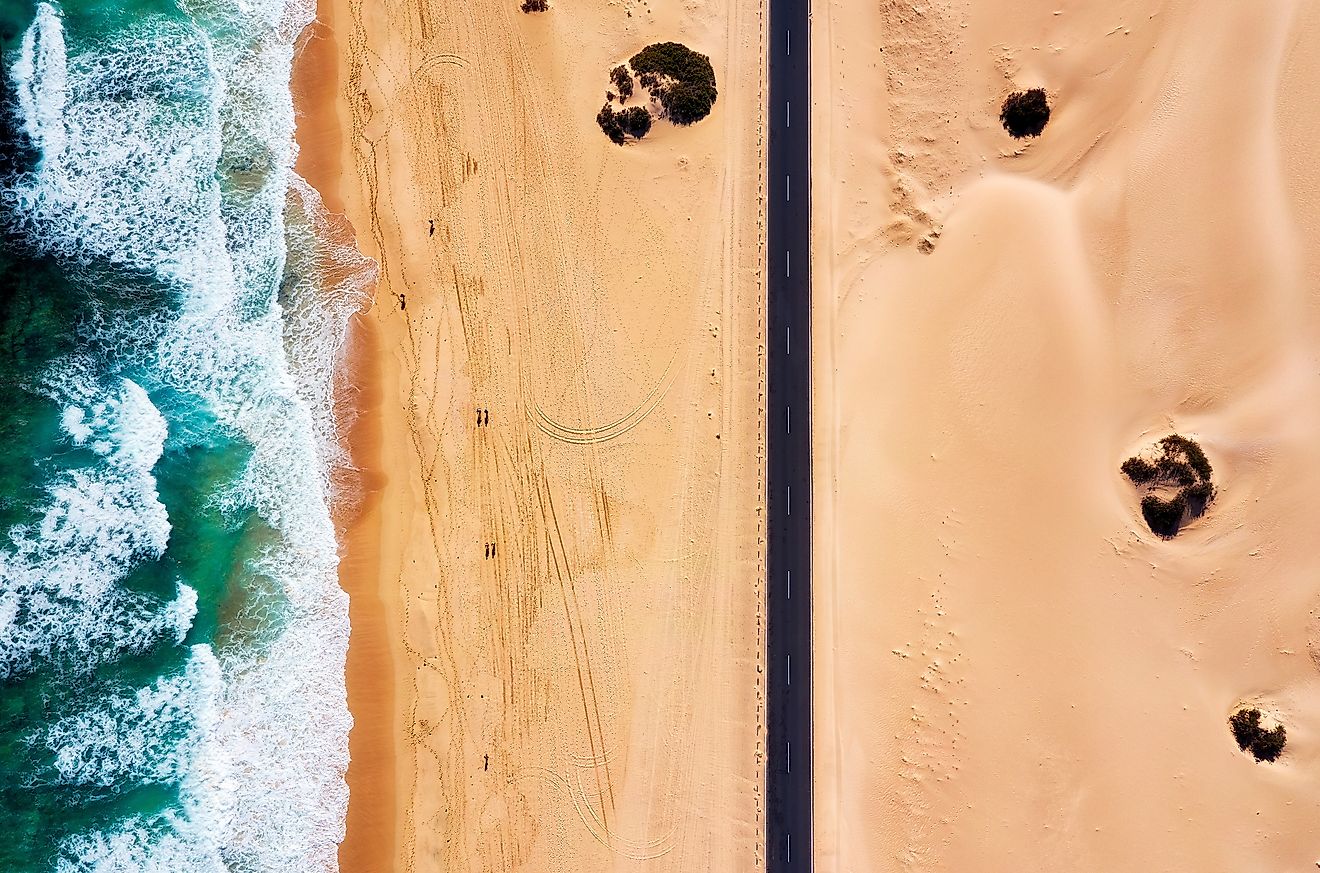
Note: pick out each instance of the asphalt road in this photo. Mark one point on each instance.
(788, 475)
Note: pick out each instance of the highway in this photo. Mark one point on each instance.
(788, 463)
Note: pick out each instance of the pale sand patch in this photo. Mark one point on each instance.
(1012, 672)
(590, 697)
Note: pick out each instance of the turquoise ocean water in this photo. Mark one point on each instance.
(173, 302)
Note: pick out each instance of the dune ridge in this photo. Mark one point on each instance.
(1014, 673)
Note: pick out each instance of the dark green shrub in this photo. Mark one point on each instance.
(535, 5)
(1164, 517)
(1264, 745)
(635, 120)
(685, 103)
(1180, 467)
(1176, 444)
(1245, 724)
(675, 61)
(1024, 113)
(1173, 470)
(608, 120)
(1198, 497)
(1269, 745)
(623, 82)
(681, 79)
(1139, 470)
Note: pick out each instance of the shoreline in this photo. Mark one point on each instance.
(370, 674)
(369, 837)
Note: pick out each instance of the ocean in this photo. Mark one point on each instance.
(173, 305)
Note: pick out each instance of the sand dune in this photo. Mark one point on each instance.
(1014, 673)
(566, 342)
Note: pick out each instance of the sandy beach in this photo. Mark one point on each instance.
(556, 573)
(369, 670)
(1013, 672)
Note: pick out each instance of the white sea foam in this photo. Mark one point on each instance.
(41, 81)
(59, 575)
(145, 736)
(146, 148)
(162, 733)
(326, 278)
(135, 183)
(168, 843)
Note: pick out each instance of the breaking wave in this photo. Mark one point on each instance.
(165, 157)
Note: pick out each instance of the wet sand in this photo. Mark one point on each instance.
(370, 830)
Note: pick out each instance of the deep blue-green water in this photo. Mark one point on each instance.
(172, 634)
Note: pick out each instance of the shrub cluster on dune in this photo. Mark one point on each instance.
(1264, 744)
(1176, 481)
(1025, 113)
(679, 80)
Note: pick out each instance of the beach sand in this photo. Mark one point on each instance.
(589, 696)
(369, 671)
(1013, 673)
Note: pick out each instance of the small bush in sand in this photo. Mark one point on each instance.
(634, 121)
(1176, 471)
(535, 5)
(1025, 113)
(1198, 497)
(1263, 744)
(623, 82)
(1139, 470)
(1176, 483)
(1191, 453)
(1163, 517)
(681, 79)
(608, 120)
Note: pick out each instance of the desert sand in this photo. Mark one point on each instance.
(556, 573)
(1013, 673)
